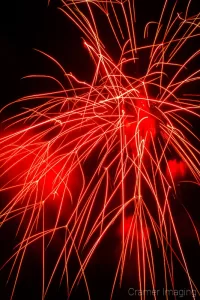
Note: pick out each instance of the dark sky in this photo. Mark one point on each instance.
(29, 24)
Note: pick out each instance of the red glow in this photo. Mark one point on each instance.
(40, 170)
(141, 127)
(176, 169)
(132, 230)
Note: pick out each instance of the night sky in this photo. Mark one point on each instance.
(28, 25)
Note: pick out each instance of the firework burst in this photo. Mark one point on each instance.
(106, 156)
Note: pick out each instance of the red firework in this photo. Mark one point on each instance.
(97, 154)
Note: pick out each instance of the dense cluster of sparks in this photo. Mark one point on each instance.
(100, 154)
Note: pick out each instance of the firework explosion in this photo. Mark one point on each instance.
(104, 158)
